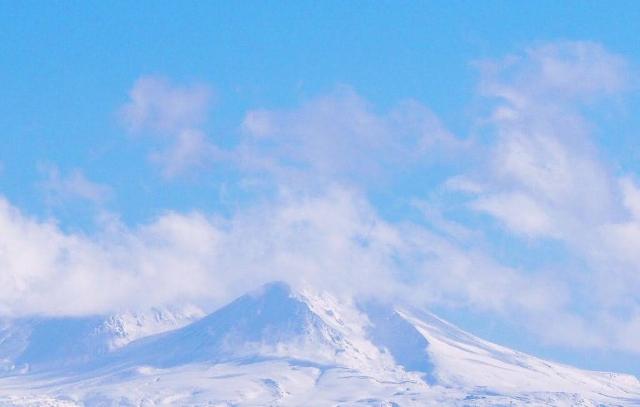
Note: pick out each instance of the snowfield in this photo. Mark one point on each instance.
(279, 347)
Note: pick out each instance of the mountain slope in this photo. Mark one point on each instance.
(271, 322)
(42, 343)
(465, 361)
(277, 346)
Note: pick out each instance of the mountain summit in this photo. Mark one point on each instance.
(278, 346)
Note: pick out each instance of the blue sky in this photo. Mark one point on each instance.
(477, 158)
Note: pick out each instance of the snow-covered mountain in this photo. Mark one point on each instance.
(276, 346)
(44, 343)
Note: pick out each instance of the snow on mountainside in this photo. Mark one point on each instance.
(276, 346)
(465, 361)
(271, 322)
(38, 343)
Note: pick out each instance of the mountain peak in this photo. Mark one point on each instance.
(272, 291)
(277, 286)
(272, 320)
(278, 346)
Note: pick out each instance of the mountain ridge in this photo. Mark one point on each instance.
(279, 346)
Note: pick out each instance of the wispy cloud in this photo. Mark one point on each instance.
(339, 136)
(173, 115)
(191, 150)
(62, 187)
(545, 179)
(564, 71)
(157, 104)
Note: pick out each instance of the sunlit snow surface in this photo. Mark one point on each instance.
(277, 347)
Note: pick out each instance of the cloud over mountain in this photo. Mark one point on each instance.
(531, 173)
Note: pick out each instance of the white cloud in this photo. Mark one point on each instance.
(544, 178)
(557, 71)
(543, 159)
(333, 240)
(61, 187)
(339, 136)
(519, 212)
(48, 271)
(192, 149)
(464, 184)
(630, 196)
(174, 116)
(334, 136)
(159, 105)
